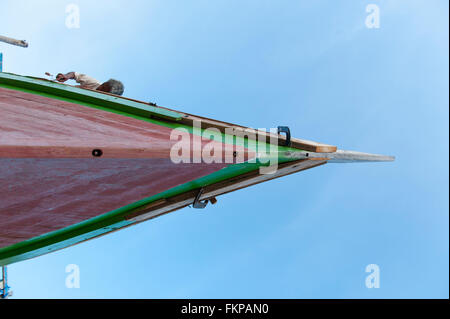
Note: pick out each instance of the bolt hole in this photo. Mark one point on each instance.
(97, 152)
(234, 154)
(307, 154)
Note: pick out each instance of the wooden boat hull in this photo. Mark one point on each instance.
(76, 164)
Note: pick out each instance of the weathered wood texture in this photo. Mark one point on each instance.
(33, 126)
(189, 119)
(306, 145)
(49, 179)
(20, 43)
(43, 195)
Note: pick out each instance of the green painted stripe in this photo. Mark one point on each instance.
(81, 95)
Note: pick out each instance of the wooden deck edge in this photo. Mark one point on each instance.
(235, 155)
(110, 101)
(268, 137)
(152, 110)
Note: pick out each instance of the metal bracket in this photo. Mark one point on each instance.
(197, 202)
(285, 129)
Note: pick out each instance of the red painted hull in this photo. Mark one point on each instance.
(48, 177)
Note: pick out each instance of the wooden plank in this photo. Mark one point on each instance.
(39, 196)
(34, 126)
(306, 145)
(99, 152)
(340, 156)
(110, 101)
(147, 109)
(19, 43)
(154, 205)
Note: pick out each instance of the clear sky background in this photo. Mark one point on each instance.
(311, 65)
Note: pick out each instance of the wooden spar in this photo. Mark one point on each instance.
(341, 156)
(20, 43)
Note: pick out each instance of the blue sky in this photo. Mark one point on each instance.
(311, 65)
